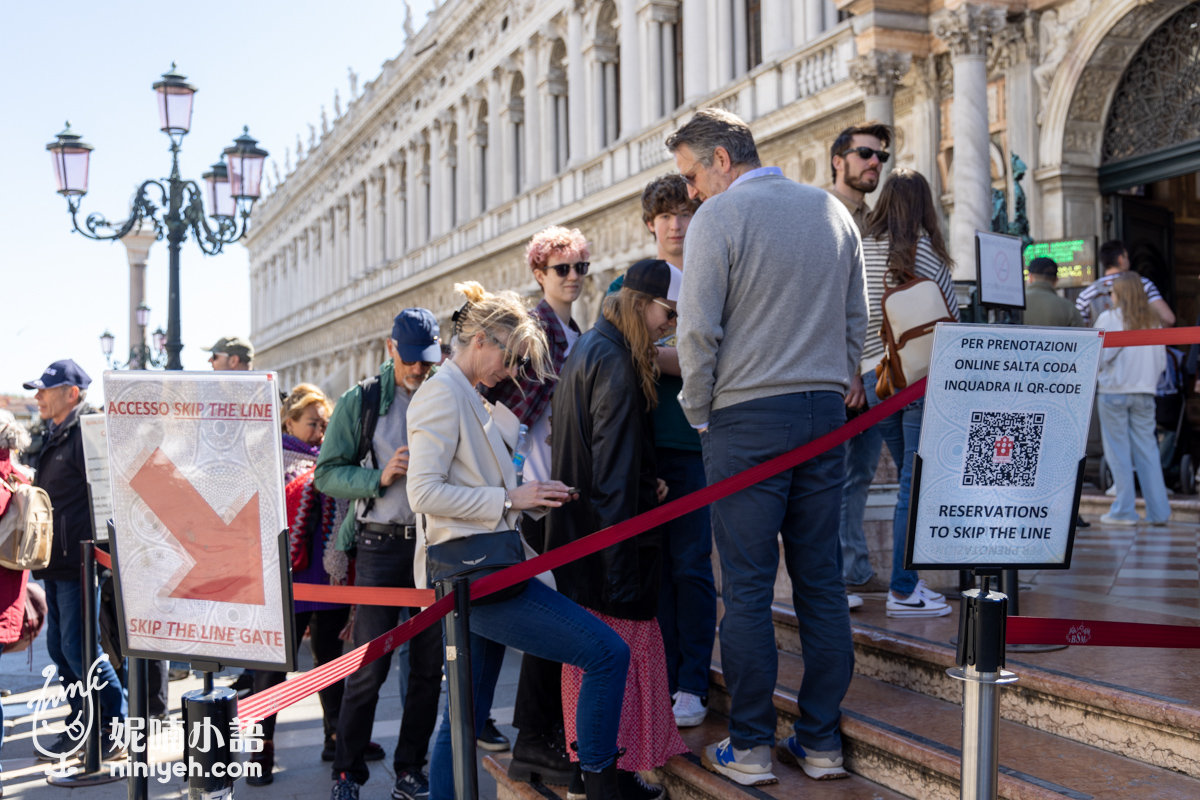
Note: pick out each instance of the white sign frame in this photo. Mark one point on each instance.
(1027, 384)
(999, 270)
(211, 583)
(95, 457)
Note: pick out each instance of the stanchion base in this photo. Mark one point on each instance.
(1001, 677)
(1035, 648)
(84, 779)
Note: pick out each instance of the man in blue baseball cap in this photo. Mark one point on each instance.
(364, 457)
(61, 471)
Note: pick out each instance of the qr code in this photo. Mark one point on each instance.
(1003, 449)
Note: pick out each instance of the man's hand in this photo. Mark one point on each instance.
(661, 490)
(857, 396)
(396, 468)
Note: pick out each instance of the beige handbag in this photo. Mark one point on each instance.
(910, 311)
(26, 527)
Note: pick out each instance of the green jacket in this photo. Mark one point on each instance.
(337, 473)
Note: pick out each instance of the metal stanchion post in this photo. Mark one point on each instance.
(980, 661)
(93, 747)
(1010, 585)
(460, 688)
(139, 709)
(208, 723)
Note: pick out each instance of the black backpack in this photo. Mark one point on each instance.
(368, 418)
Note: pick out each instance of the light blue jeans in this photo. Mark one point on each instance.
(1127, 428)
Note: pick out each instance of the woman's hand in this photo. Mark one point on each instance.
(539, 494)
(661, 490)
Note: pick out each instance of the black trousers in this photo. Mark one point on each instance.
(323, 629)
(537, 711)
(387, 561)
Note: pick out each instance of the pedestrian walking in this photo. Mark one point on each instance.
(464, 485)
(772, 267)
(604, 445)
(1128, 381)
(1097, 297)
(365, 458)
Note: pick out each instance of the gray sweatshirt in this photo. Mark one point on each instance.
(774, 297)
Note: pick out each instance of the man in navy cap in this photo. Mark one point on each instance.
(62, 473)
(364, 457)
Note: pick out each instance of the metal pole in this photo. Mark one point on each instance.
(1010, 585)
(208, 716)
(87, 594)
(460, 688)
(139, 708)
(175, 232)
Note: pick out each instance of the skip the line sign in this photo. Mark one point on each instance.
(196, 468)
(1000, 463)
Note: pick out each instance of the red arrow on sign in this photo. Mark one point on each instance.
(228, 558)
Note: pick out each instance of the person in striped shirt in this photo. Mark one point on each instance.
(1096, 299)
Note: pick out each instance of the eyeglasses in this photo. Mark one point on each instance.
(865, 153)
(520, 361)
(672, 314)
(563, 270)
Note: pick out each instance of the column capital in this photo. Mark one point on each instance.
(968, 29)
(878, 72)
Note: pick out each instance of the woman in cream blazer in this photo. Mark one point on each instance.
(461, 482)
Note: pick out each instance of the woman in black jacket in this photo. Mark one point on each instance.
(602, 440)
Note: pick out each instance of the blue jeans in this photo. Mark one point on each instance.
(862, 459)
(687, 580)
(64, 640)
(1127, 428)
(542, 622)
(802, 506)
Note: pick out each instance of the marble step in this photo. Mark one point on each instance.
(909, 742)
(1142, 726)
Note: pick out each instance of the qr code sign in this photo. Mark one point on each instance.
(1003, 449)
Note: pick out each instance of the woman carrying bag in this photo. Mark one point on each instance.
(463, 487)
(603, 443)
(1127, 382)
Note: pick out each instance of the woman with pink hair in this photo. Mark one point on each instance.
(559, 259)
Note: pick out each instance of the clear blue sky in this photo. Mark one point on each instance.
(94, 65)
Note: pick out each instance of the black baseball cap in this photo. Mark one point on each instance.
(1044, 266)
(415, 332)
(655, 277)
(61, 373)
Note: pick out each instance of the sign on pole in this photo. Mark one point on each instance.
(998, 472)
(1000, 273)
(199, 549)
(95, 456)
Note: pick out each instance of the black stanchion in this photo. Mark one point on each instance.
(461, 691)
(208, 724)
(92, 773)
(139, 747)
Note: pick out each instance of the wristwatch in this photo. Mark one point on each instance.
(507, 501)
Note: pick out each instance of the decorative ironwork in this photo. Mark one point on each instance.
(1157, 102)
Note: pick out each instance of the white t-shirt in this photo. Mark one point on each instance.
(1128, 370)
(537, 465)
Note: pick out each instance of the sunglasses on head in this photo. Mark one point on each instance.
(520, 361)
(865, 153)
(563, 270)
(672, 314)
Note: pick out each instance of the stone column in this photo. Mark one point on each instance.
(967, 31)
(464, 162)
(391, 203)
(547, 97)
(652, 38)
(611, 129)
(695, 56)
(596, 96)
(724, 55)
(495, 191)
(326, 263)
(477, 139)
(343, 236)
(740, 44)
(776, 28)
(670, 100)
(371, 220)
(137, 248)
(814, 15)
(412, 196)
(533, 117)
(877, 74)
(577, 106)
(631, 76)
(436, 180)
(358, 257)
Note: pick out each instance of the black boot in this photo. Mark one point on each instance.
(576, 791)
(602, 785)
(540, 758)
(265, 759)
(634, 788)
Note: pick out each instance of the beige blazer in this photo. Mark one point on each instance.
(460, 464)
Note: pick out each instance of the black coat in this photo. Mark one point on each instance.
(62, 472)
(603, 444)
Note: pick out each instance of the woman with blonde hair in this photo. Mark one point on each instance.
(313, 520)
(1127, 384)
(462, 484)
(603, 443)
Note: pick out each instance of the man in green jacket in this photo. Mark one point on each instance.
(1043, 306)
(382, 532)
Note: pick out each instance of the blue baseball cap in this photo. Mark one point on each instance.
(415, 332)
(61, 373)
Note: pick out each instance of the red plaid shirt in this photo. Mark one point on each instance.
(525, 397)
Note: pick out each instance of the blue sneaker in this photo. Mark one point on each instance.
(344, 788)
(745, 767)
(411, 785)
(820, 765)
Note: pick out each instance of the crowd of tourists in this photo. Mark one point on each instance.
(754, 330)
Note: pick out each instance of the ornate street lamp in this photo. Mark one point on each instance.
(232, 191)
(140, 356)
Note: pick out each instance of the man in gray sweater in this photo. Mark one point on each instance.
(772, 316)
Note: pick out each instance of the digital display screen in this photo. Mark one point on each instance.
(1076, 259)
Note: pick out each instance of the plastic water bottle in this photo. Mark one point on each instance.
(519, 454)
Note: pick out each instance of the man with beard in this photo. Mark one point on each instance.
(365, 458)
(857, 158)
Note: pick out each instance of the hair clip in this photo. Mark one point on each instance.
(458, 317)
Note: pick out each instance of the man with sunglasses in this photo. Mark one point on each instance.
(364, 457)
(558, 258)
(857, 158)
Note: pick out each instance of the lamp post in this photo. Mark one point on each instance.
(234, 184)
(140, 355)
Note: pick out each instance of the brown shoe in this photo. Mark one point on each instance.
(265, 759)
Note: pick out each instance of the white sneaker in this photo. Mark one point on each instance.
(745, 767)
(1110, 491)
(690, 710)
(1109, 519)
(916, 605)
(854, 601)
(929, 594)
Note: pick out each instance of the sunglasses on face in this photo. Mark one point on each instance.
(424, 364)
(521, 361)
(672, 314)
(865, 154)
(563, 270)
